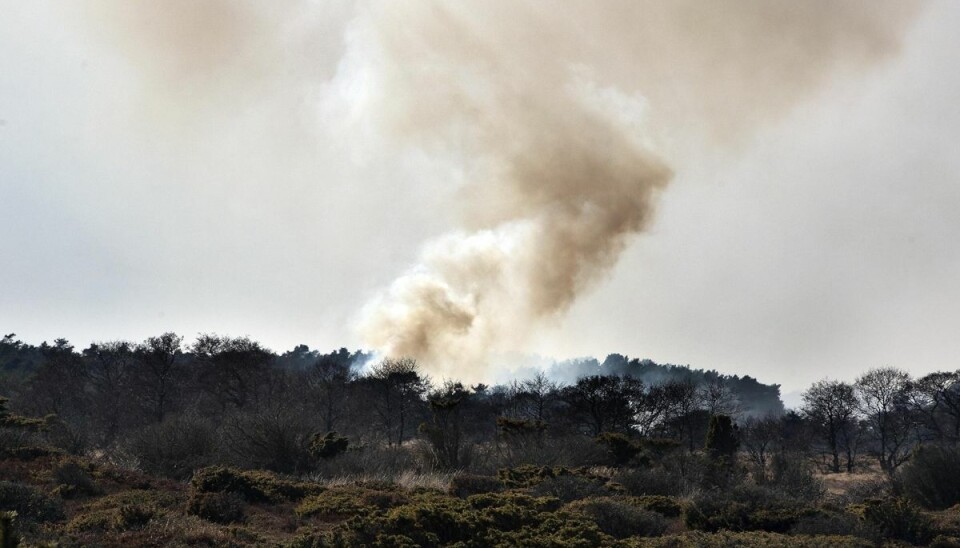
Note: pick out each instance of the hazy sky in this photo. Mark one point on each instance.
(242, 190)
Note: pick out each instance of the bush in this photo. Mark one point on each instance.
(74, 480)
(175, 447)
(932, 477)
(570, 488)
(836, 523)
(646, 482)
(33, 452)
(795, 475)
(464, 485)
(528, 475)
(29, 502)
(216, 507)
(252, 486)
(620, 448)
(753, 539)
(900, 519)
(8, 535)
(666, 506)
(619, 518)
(123, 518)
(328, 446)
(745, 508)
(346, 501)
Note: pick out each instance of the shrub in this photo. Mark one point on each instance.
(216, 507)
(836, 523)
(722, 438)
(932, 477)
(745, 508)
(122, 518)
(570, 488)
(528, 475)
(74, 480)
(795, 475)
(666, 506)
(328, 446)
(252, 486)
(8, 535)
(29, 502)
(900, 519)
(752, 539)
(646, 482)
(620, 448)
(464, 485)
(33, 452)
(620, 519)
(347, 501)
(175, 447)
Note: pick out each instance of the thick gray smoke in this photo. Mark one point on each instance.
(556, 119)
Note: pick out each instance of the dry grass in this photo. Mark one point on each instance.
(866, 480)
(407, 480)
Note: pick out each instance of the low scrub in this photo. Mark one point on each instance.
(619, 518)
(216, 507)
(665, 506)
(252, 486)
(29, 502)
(752, 539)
(745, 508)
(342, 502)
(899, 518)
(464, 485)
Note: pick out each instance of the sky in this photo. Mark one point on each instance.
(241, 171)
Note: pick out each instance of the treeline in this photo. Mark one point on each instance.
(168, 406)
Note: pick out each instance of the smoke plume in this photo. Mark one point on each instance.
(557, 120)
(553, 112)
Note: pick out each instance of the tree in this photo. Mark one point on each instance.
(397, 389)
(936, 400)
(884, 399)
(718, 398)
(231, 370)
(604, 403)
(57, 385)
(683, 409)
(329, 381)
(831, 405)
(722, 438)
(107, 367)
(760, 437)
(535, 397)
(445, 430)
(159, 359)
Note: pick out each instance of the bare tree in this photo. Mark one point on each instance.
(158, 359)
(329, 381)
(718, 398)
(683, 400)
(398, 387)
(760, 437)
(831, 405)
(936, 400)
(232, 370)
(603, 403)
(107, 367)
(884, 399)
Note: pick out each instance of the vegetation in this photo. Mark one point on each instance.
(223, 442)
